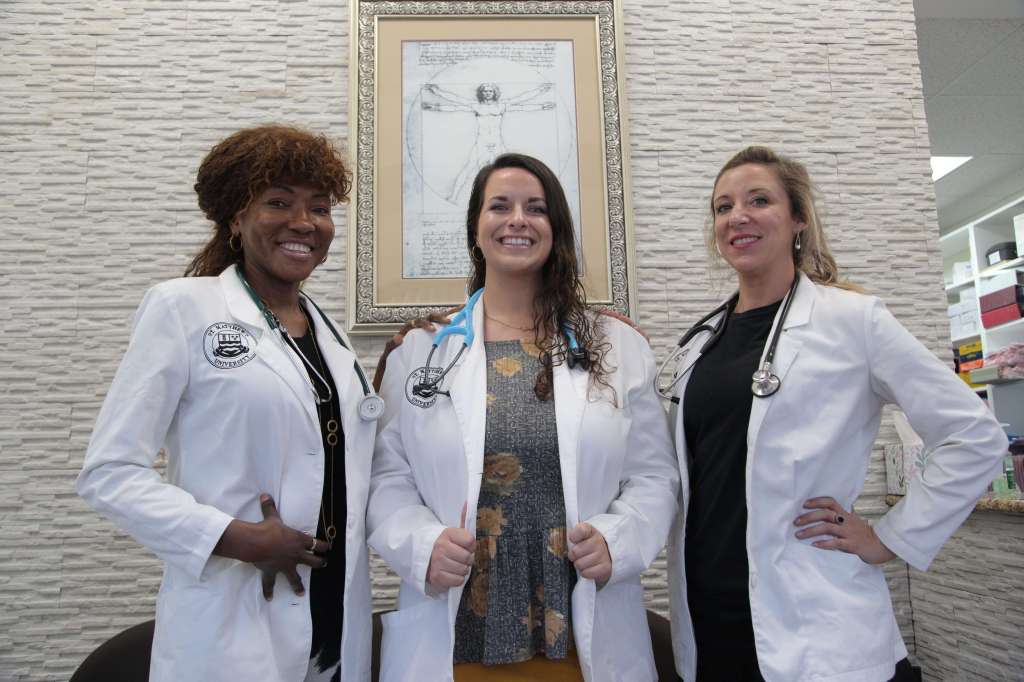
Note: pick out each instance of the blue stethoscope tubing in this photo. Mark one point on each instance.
(763, 383)
(462, 324)
(371, 405)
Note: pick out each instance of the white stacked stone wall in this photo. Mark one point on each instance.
(106, 108)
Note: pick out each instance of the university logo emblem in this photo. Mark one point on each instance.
(228, 345)
(415, 378)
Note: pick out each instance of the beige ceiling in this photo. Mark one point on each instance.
(972, 69)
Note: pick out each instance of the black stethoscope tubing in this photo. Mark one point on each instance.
(371, 405)
(764, 381)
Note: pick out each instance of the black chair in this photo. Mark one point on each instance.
(661, 641)
(125, 656)
(122, 658)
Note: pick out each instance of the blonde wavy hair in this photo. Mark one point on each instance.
(813, 258)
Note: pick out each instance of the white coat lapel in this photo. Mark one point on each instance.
(686, 363)
(570, 396)
(785, 353)
(341, 362)
(269, 349)
(468, 388)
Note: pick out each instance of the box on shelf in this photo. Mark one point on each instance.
(998, 316)
(1001, 253)
(983, 375)
(958, 331)
(1018, 231)
(969, 348)
(969, 380)
(1000, 280)
(962, 270)
(1002, 297)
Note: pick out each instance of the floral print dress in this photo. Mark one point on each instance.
(516, 604)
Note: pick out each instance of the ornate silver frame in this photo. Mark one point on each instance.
(365, 314)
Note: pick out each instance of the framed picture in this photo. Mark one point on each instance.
(439, 90)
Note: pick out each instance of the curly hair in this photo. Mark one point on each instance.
(814, 257)
(560, 300)
(243, 165)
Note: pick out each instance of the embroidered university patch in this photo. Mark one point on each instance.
(416, 377)
(228, 345)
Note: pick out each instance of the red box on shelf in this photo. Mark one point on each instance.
(1001, 298)
(994, 318)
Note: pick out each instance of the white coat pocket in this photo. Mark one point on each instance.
(603, 447)
(622, 641)
(414, 643)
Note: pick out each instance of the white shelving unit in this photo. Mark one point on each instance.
(969, 242)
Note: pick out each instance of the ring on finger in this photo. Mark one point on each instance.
(839, 519)
(312, 548)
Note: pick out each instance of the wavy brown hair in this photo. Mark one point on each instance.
(240, 167)
(813, 257)
(561, 300)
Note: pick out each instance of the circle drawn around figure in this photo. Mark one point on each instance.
(463, 118)
(228, 345)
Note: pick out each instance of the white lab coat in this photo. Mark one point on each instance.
(820, 614)
(230, 434)
(618, 473)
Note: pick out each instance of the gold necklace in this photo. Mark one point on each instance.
(506, 324)
(333, 428)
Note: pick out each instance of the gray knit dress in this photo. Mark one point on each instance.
(516, 604)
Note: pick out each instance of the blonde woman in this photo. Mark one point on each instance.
(778, 399)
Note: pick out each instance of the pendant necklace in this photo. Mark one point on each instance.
(325, 408)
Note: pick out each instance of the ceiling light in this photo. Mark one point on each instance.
(944, 165)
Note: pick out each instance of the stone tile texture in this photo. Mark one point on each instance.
(107, 107)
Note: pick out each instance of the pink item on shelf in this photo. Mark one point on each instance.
(1009, 360)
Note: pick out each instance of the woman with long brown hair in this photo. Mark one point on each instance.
(267, 424)
(524, 476)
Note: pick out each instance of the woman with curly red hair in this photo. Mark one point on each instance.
(260, 406)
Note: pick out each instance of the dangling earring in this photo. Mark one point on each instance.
(231, 243)
(796, 244)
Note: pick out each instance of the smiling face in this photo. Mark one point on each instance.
(754, 224)
(513, 230)
(285, 234)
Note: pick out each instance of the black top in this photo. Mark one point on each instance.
(716, 413)
(327, 584)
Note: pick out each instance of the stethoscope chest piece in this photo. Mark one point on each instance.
(371, 407)
(765, 382)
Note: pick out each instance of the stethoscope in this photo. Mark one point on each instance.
(764, 382)
(371, 405)
(462, 324)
